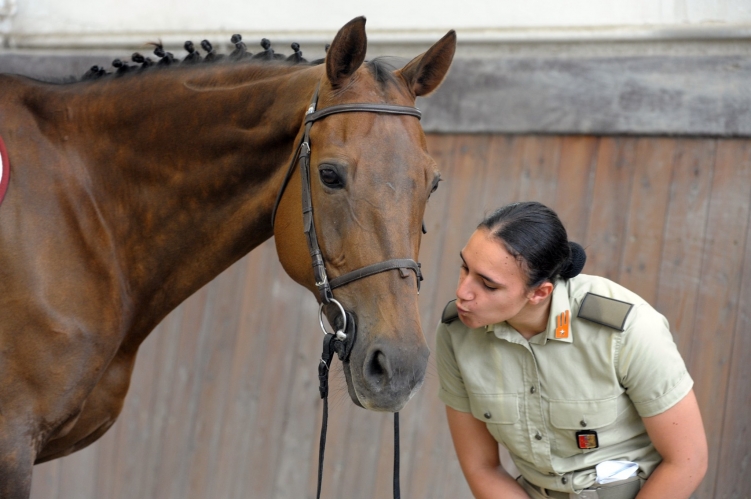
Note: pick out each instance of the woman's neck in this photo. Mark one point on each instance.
(532, 319)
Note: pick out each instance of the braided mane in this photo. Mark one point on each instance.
(381, 67)
(165, 59)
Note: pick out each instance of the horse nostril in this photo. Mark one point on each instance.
(378, 368)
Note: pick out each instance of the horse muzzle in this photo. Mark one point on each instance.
(383, 374)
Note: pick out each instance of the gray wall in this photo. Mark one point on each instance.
(539, 91)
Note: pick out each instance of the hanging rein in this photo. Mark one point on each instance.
(342, 341)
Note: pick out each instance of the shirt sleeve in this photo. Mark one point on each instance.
(451, 391)
(649, 364)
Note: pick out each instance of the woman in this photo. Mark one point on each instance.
(567, 371)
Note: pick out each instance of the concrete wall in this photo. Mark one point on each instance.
(675, 67)
(94, 23)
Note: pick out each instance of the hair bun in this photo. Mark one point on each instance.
(575, 262)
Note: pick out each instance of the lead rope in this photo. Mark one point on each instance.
(397, 495)
(323, 387)
(327, 355)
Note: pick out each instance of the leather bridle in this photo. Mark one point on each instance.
(302, 155)
(342, 341)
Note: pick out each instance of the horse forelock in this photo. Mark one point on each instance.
(382, 68)
(376, 81)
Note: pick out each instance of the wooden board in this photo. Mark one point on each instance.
(717, 307)
(224, 399)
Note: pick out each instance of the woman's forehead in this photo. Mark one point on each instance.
(487, 255)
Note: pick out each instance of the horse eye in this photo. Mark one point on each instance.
(330, 178)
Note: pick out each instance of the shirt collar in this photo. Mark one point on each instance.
(505, 332)
(559, 326)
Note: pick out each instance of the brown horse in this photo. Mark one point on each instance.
(128, 193)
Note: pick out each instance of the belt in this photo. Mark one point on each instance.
(623, 489)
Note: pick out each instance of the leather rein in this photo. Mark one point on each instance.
(342, 341)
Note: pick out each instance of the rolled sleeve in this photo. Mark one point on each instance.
(649, 364)
(451, 390)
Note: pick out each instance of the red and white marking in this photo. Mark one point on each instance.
(4, 170)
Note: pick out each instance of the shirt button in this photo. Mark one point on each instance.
(538, 436)
(532, 390)
(583, 423)
(487, 415)
(564, 480)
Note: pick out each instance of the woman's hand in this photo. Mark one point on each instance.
(678, 435)
(478, 456)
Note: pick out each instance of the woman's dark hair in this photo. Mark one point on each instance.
(533, 234)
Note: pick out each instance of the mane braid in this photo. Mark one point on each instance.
(194, 58)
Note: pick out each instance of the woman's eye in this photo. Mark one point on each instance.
(330, 178)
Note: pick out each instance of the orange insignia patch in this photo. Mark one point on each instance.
(562, 325)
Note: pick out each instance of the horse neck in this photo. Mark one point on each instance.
(184, 168)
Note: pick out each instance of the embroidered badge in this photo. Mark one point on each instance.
(562, 325)
(4, 170)
(587, 439)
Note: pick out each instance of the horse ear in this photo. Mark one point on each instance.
(425, 72)
(347, 52)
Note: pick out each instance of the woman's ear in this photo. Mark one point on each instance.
(540, 293)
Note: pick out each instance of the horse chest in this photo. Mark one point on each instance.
(93, 416)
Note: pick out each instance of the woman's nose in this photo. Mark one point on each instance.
(463, 289)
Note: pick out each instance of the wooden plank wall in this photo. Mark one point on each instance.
(224, 398)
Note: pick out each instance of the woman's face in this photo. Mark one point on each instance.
(492, 286)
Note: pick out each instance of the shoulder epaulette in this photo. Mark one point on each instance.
(606, 311)
(450, 314)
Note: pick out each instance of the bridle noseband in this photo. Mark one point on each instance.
(342, 341)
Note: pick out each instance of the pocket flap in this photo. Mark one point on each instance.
(496, 408)
(583, 414)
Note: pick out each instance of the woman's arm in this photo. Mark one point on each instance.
(478, 456)
(678, 435)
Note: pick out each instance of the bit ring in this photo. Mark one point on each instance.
(340, 335)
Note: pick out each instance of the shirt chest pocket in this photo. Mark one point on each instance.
(496, 408)
(500, 412)
(570, 416)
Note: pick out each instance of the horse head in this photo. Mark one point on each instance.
(370, 179)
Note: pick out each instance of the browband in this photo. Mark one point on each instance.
(367, 108)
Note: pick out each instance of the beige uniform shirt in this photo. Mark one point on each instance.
(534, 396)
